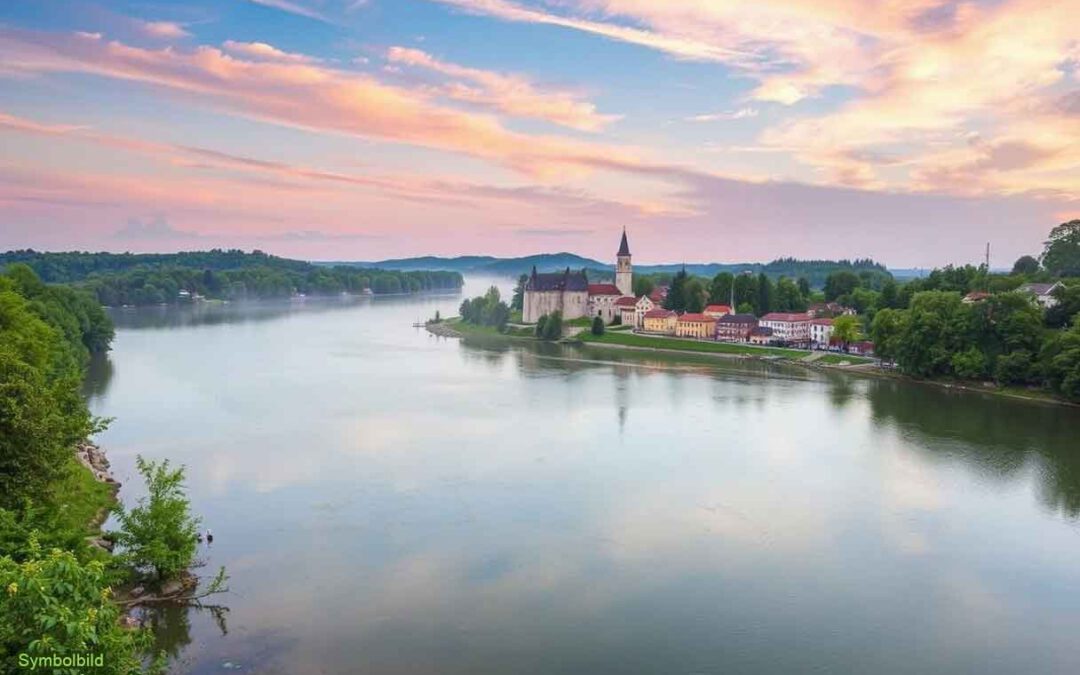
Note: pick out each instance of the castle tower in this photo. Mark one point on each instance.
(624, 274)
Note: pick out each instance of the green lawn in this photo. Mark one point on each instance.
(647, 341)
(80, 498)
(836, 359)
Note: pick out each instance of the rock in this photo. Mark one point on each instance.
(129, 622)
(172, 587)
(137, 591)
(102, 543)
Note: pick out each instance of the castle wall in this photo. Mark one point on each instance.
(572, 304)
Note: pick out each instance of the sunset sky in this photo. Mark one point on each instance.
(910, 131)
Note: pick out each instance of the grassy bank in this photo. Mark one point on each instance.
(82, 501)
(655, 342)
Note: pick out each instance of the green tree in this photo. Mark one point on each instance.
(804, 288)
(839, 283)
(936, 329)
(553, 327)
(720, 288)
(54, 605)
(541, 325)
(887, 331)
(695, 295)
(1068, 305)
(1026, 265)
(643, 285)
(969, 364)
(1061, 255)
(158, 536)
(846, 329)
(676, 297)
(1014, 368)
(518, 301)
(1060, 358)
(890, 295)
(765, 293)
(788, 296)
(597, 326)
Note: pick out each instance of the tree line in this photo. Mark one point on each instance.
(151, 279)
(56, 597)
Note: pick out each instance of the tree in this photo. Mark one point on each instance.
(936, 329)
(541, 324)
(788, 296)
(746, 292)
(846, 329)
(804, 288)
(969, 364)
(1026, 265)
(720, 288)
(553, 326)
(890, 295)
(1061, 256)
(694, 293)
(158, 535)
(518, 301)
(1068, 306)
(1060, 358)
(597, 326)
(765, 293)
(840, 283)
(54, 605)
(643, 285)
(887, 330)
(1014, 368)
(676, 297)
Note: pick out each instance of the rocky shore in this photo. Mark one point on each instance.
(93, 458)
(441, 329)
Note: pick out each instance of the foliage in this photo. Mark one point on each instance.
(1060, 357)
(643, 285)
(1026, 265)
(676, 297)
(159, 534)
(1068, 305)
(846, 329)
(1061, 255)
(517, 302)
(597, 326)
(550, 326)
(54, 605)
(969, 364)
(1014, 368)
(934, 332)
(144, 279)
(840, 283)
(721, 288)
(486, 310)
(694, 294)
(887, 331)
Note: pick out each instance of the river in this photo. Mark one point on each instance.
(386, 501)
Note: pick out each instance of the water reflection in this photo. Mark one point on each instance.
(389, 502)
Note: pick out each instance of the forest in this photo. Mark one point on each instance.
(118, 279)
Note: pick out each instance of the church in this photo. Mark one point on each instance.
(571, 293)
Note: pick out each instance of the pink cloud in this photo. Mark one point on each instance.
(265, 52)
(165, 30)
(513, 95)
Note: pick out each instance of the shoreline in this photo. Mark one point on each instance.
(863, 369)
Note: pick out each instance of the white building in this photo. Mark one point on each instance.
(789, 327)
(572, 294)
(1043, 293)
(821, 331)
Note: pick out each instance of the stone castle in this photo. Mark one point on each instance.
(571, 293)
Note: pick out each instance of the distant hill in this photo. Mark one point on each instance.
(815, 271)
(478, 264)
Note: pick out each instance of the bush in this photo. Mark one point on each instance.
(553, 326)
(1014, 368)
(969, 364)
(159, 535)
(597, 326)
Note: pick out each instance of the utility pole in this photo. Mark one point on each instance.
(987, 267)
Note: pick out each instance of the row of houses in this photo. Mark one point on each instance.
(1042, 294)
(718, 322)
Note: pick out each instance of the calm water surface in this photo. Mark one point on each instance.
(389, 502)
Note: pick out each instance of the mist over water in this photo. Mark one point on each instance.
(387, 501)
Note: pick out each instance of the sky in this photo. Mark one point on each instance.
(910, 131)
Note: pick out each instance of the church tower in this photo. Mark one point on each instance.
(624, 275)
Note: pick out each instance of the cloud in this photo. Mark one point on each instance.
(156, 227)
(307, 96)
(165, 30)
(739, 114)
(265, 52)
(513, 95)
(296, 8)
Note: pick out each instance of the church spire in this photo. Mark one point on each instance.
(624, 248)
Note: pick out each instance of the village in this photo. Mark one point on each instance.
(614, 304)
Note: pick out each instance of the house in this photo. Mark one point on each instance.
(735, 327)
(861, 348)
(602, 299)
(659, 294)
(1043, 293)
(717, 311)
(788, 327)
(695, 326)
(626, 310)
(829, 310)
(821, 331)
(566, 292)
(660, 321)
(975, 296)
(643, 306)
(761, 335)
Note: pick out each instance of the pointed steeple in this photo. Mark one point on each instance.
(624, 248)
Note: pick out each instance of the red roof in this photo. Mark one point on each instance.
(821, 322)
(626, 301)
(604, 289)
(718, 308)
(658, 293)
(696, 318)
(659, 313)
(786, 316)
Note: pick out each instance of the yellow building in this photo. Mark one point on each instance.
(695, 326)
(660, 321)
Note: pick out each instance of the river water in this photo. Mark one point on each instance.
(386, 501)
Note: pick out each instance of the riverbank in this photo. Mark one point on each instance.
(724, 350)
